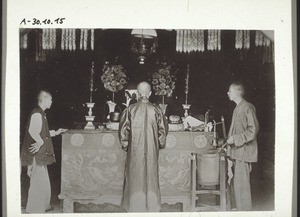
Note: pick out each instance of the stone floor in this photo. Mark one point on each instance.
(262, 195)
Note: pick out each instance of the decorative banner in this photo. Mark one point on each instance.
(242, 39)
(87, 36)
(263, 41)
(83, 39)
(189, 40)
(24, 41)
(68, 39)
(49, 39)
(92, 39)
(40, 54)
(214, 40)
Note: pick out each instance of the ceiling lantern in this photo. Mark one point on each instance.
(143, 43)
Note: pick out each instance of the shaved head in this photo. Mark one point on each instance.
(144, 89)
(43, 95)
(44, 99)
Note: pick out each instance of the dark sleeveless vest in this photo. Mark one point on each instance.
(45, 155)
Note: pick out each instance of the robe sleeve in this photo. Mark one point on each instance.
(124, 129)
(251, 130)
(163, 129)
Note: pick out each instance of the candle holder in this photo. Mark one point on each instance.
(215, 142)
(90, 118)
(186, 107)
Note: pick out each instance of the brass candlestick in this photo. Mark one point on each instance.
(90, 118)
(186, 107)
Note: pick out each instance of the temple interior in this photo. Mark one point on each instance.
(64, 69)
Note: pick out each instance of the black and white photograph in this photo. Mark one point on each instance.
(148, 119)
(188, 139)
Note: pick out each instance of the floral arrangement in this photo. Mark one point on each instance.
(114, 77)
(163, 82)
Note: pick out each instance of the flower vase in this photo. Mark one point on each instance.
(163, 108)
(111, 106)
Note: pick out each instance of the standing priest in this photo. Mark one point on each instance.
(142, 132)
(243, 145)
(37, 153)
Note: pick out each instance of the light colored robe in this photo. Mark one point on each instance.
(244, 128)
(142, 132)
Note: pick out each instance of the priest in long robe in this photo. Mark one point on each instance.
(243, 145)
(142, 132)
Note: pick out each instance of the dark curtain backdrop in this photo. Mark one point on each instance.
(66, 75)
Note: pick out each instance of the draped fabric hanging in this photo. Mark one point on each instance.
(242, 39)
(214, 40)
(83, 39)
(49, 39)
(40, 54)
(87, 37)
(68, 39)
(189, 40)
(268, 46)
(24, 41)
(92, 39)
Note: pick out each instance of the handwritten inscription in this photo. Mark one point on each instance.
(39, 22)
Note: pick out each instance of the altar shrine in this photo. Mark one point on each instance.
(93, 167)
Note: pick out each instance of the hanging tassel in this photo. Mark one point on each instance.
(197, 40)
(219, 39)
(246, 43)
(85, 39)
(44, 39)
(181, 40)
(238, 39)
(74, 39)
(208, 39)
(178, 41)
(24, 41)
(63, 39)
(70, 39)
(81, 39)
(185, 38)
(51, 39)
(190, 49)
(193, 41)
(202, 48)
(92, 39)
(54, 39)
(215, 40)
(40, 54)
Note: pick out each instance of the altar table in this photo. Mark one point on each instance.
(93, 167)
